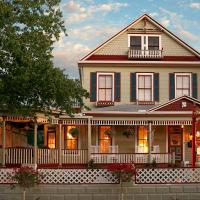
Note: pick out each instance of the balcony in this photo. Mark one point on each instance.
(144, 54)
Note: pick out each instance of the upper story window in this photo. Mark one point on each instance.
(182, 84)
(145, 86)
(105, 84)
(144, 46)
(145, 42)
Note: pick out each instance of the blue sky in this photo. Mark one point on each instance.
(91, 22)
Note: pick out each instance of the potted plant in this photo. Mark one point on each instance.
(128, 132)
(74, 132)
(25, 177)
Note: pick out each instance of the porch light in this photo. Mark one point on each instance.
(182, 126)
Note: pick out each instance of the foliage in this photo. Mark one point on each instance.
(25, 177)
(109, 132)
(124, 172)
(154, 164)
(92, 164)
(28, 80)
(74, 132)
(128, 132)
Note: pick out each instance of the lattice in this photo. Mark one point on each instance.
(5, 176)
(76, 176)
(167, 175)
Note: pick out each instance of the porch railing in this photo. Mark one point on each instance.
(77, 156)
(140, 54)
(19, 155)
(48, 156)
(103, 158)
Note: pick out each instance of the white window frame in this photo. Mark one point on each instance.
(152, 84)
(145, 46)
(97, 92)
(183, 74)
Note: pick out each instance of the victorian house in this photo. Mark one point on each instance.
(143, 85)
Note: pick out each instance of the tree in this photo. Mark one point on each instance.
(28, 80)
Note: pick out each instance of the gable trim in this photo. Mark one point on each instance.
(175, 37)
(174, 100)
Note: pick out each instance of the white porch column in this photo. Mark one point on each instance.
(60, 144)
(35, 142)
(89, 139)
(4, 143)
(150, 142)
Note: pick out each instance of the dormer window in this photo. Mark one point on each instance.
(144, 46)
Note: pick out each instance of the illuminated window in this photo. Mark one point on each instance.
(51, 140)
(143, 139)
(71, 141)
(104, 140)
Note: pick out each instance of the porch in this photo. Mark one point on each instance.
(91, 142)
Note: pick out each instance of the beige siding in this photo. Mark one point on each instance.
(119, 45)
(125, 79)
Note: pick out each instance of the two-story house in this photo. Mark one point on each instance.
(143, 85)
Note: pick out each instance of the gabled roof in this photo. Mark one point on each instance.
(176, 104)
(145, 16)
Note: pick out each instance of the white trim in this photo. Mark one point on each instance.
(182, 74)
(105, 73)
(147, 39)
(140, 62)
(152, 84)
(174, 36)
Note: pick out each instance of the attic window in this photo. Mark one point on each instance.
(144, 42)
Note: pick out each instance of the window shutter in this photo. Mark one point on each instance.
(156, 86)
(117, 86)
(133, 87)
(171, 86)
(93, 86)
(194, 85)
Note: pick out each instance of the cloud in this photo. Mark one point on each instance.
(189, 35)
(154, 14)
(165, 22)
(78, 13)
(195, 5)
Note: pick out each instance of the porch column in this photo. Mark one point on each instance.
(193, 140)
(60, 144)
(149, 146)
(4, 142)
(89, 139)
(35, 142)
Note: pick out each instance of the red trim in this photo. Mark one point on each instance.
(102, 114)
(125, 58)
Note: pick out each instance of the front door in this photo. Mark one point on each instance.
(176, 142)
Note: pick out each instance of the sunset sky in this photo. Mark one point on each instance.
(91, 22)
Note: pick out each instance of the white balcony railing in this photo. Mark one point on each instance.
(144, 54)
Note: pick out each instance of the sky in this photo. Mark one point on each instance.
(90, 22)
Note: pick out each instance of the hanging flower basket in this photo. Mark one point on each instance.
(109, 132)
(128, 132)
(74, 132)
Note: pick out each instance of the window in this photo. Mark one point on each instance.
(105, 87)
(71, 142)
(153, 43)
(51, 140)
(136, 42)
(144, 86)
(144, 42)
(142, 139)
(104, 140)
(182, 84)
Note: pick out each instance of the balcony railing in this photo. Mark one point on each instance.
(104, 103)
(141, 54)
